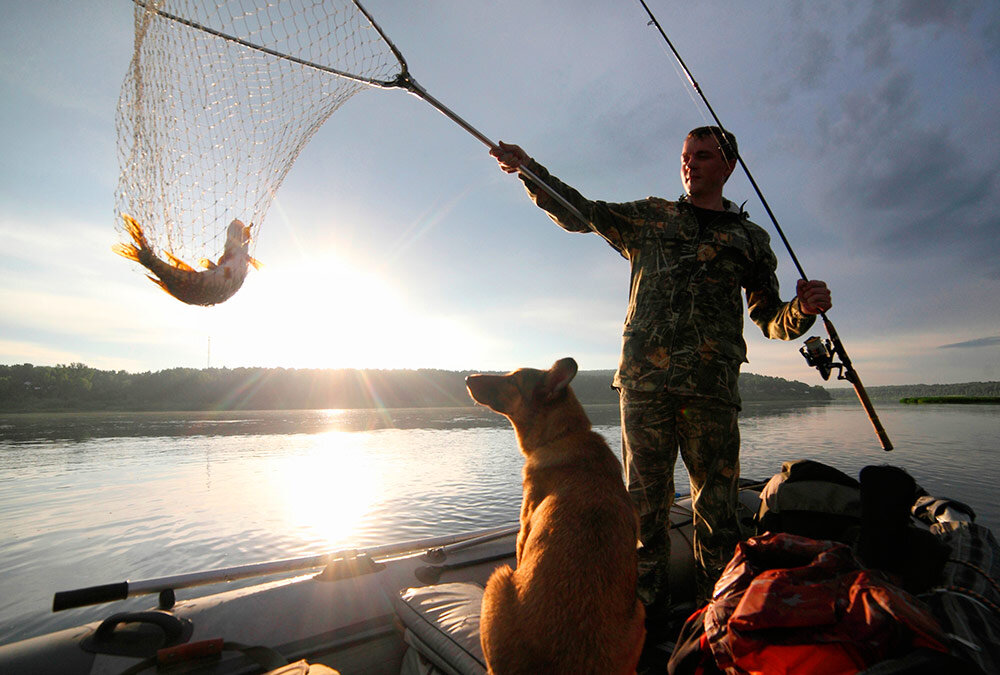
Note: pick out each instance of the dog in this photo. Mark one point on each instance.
(571, 604)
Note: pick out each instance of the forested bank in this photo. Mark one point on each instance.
(77, 387)
(899, 392)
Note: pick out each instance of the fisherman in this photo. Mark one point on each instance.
(682, 344)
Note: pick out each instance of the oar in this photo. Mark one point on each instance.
(94, 595)
(440, 553)
(430, 574)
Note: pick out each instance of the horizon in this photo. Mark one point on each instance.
(825, 384)
(395, 242)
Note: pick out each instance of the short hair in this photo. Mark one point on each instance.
(725, 139)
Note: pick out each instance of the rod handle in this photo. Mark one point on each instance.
(866, 403)
(94, 595)
(852, 376)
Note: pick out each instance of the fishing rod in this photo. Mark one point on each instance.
(817, 353)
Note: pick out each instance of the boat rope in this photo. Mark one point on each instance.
(967, 593)
(976, 568)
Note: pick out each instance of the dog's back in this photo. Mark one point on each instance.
(571, 604)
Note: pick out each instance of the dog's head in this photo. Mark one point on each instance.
(525, 394)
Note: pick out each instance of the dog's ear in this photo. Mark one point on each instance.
(556, 379)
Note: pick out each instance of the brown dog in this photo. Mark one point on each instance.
(571, 605)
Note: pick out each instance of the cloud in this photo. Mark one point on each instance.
(884, 108)
(980, 342)
(919, 13)
(813, 52)
(877, 35)
(906, 183)
(14, 351)
(874, 38)
(816, 53)
(990, 31)
(921, 194)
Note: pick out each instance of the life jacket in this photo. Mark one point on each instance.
(791, 605)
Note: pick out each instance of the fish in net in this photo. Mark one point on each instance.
(219, 100)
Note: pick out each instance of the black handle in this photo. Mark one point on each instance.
(94, 595)
(138, 641)
(172, 627)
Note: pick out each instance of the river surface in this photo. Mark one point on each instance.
(88, 499)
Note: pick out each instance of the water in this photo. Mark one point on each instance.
(89, 499)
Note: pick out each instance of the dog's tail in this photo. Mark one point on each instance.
(499, 621)
(637, 638)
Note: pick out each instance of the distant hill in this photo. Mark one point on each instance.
(77, 387)
(896, 392)
(594, 386)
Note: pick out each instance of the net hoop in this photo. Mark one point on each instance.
(220, 99)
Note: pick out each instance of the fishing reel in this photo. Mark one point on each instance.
(819, 354)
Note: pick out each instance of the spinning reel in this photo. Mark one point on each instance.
(819, 354)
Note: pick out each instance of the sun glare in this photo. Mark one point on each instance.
(330, 488)
(335, 314)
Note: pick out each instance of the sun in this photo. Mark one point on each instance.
(334, 313)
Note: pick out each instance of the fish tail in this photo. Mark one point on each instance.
(135, 231)
(126, 251)
(140, 251)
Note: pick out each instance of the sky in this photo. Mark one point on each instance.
(396, 242)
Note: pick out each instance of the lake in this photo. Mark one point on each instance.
(89, 499)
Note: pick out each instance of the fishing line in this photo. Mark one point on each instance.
(816, 353)
(690, 92)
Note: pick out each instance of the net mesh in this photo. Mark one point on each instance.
(208, 128)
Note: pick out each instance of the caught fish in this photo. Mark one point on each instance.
(216, 283)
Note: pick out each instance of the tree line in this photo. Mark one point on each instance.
(78, 387)
(899, 392)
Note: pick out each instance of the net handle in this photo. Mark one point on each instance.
(414, 88)
(406, 81)
(402, 81)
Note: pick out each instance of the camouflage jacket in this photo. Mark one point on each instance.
(683, 331)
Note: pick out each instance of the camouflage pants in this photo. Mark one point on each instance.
(654, 427)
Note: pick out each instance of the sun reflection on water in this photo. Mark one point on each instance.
(329, 486)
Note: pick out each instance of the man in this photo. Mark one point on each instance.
(682, 344)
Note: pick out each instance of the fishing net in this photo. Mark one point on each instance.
(219, 100)
(222, 95)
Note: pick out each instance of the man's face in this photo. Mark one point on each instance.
(703, 168)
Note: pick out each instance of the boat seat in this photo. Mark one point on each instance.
(442, 626)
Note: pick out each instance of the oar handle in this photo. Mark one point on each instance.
(94, 595)
(120, 590)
